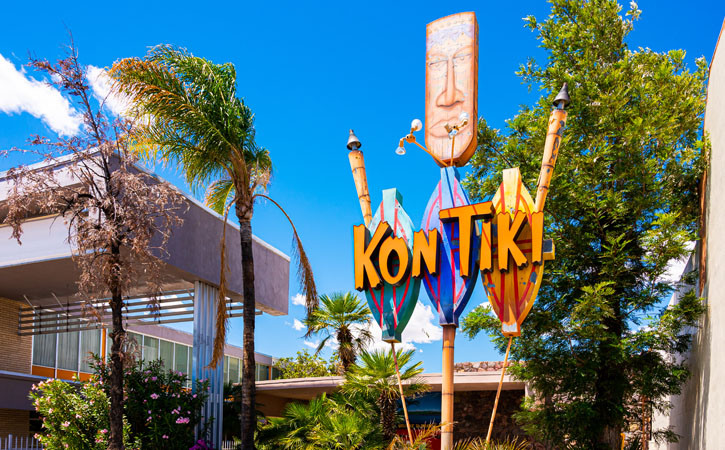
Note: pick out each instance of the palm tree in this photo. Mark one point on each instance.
(374, 377)
(196, 120)
(344, 317)
(326, 422)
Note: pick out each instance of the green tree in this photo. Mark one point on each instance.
(197, 121)
(374, 378)
(623, 203)
(306, 365)
(344, 317)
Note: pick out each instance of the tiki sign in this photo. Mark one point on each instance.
(451, 86)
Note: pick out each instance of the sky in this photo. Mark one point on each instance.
(310, 71)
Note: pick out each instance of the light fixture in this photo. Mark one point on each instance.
(400, 150)
(416, 125)
(353, 143)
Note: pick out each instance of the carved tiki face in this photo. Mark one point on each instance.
(451, 73)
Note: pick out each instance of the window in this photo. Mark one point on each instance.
(234, 375)
(90, 344)
(44, 349)
(262, 372)
(226, 369)
(276, 373)
(134, 344)
(166, 354)
(181, 363)
(150, 349)
(68, 351)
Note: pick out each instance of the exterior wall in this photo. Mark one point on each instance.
(14, 422)
(15, 351)
(697, 414)
(472, 412)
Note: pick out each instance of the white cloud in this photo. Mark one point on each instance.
(298, 325)
(20, 93)
(421, 329)
(312, 345)
(101, 83)
(299, 300)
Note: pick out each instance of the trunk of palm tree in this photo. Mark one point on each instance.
(116, 411)
(387, 417)
(249, 415)
(347, 353)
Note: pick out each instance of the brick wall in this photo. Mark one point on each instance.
(15, 351)
(472, 412)
(15, 422)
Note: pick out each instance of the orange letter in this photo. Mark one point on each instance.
(399, 247)
(425, 249)
(537, 237)
(507, 233)
(465, 216)
(364, 250)
(486, 262)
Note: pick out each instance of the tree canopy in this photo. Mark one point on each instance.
(622, 206)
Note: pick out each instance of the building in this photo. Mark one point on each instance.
(698, 413)
(475, 391)
(44, 331)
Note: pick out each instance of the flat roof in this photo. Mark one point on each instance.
(41, 270)
(309, 388)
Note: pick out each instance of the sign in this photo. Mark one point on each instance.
(502, 239)
(451, 88)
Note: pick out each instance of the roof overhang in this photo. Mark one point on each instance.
(41, 270)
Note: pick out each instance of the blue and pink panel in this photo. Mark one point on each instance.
(448, 291)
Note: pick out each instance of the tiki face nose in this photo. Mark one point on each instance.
(451, 95)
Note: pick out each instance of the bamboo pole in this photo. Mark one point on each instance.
(357, 164)
(498, 392)
(449, 336)
(557, 120)
(402, 395)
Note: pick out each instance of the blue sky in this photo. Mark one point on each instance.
(310, 73)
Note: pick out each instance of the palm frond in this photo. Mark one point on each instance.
(304, 268)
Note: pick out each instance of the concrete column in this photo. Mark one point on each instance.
(205, 297)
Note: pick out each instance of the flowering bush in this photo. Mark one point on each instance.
(160, 409)
(74, 417)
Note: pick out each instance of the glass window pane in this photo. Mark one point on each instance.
(150, 349)
(134, 344)
(276, 373)
(262, 372)
(226, 369)
(44, 350)
(166, 354)
(68, 351)
(234, 370)
(90, 344)
(182, 358)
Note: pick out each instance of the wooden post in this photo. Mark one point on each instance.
(357, 164)
(557, 120)
(402, 395)
(498, 392)
(449, 336)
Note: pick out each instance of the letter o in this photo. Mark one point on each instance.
(399, 247)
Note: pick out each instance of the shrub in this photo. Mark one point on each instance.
(74, 416)
(159, 407)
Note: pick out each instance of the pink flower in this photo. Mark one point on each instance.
(154, 396)
(182, 420)
(104, 431)
(153, 378)
(66, 424)
(164, 437)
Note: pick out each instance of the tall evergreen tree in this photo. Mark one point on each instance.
(623, 203)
